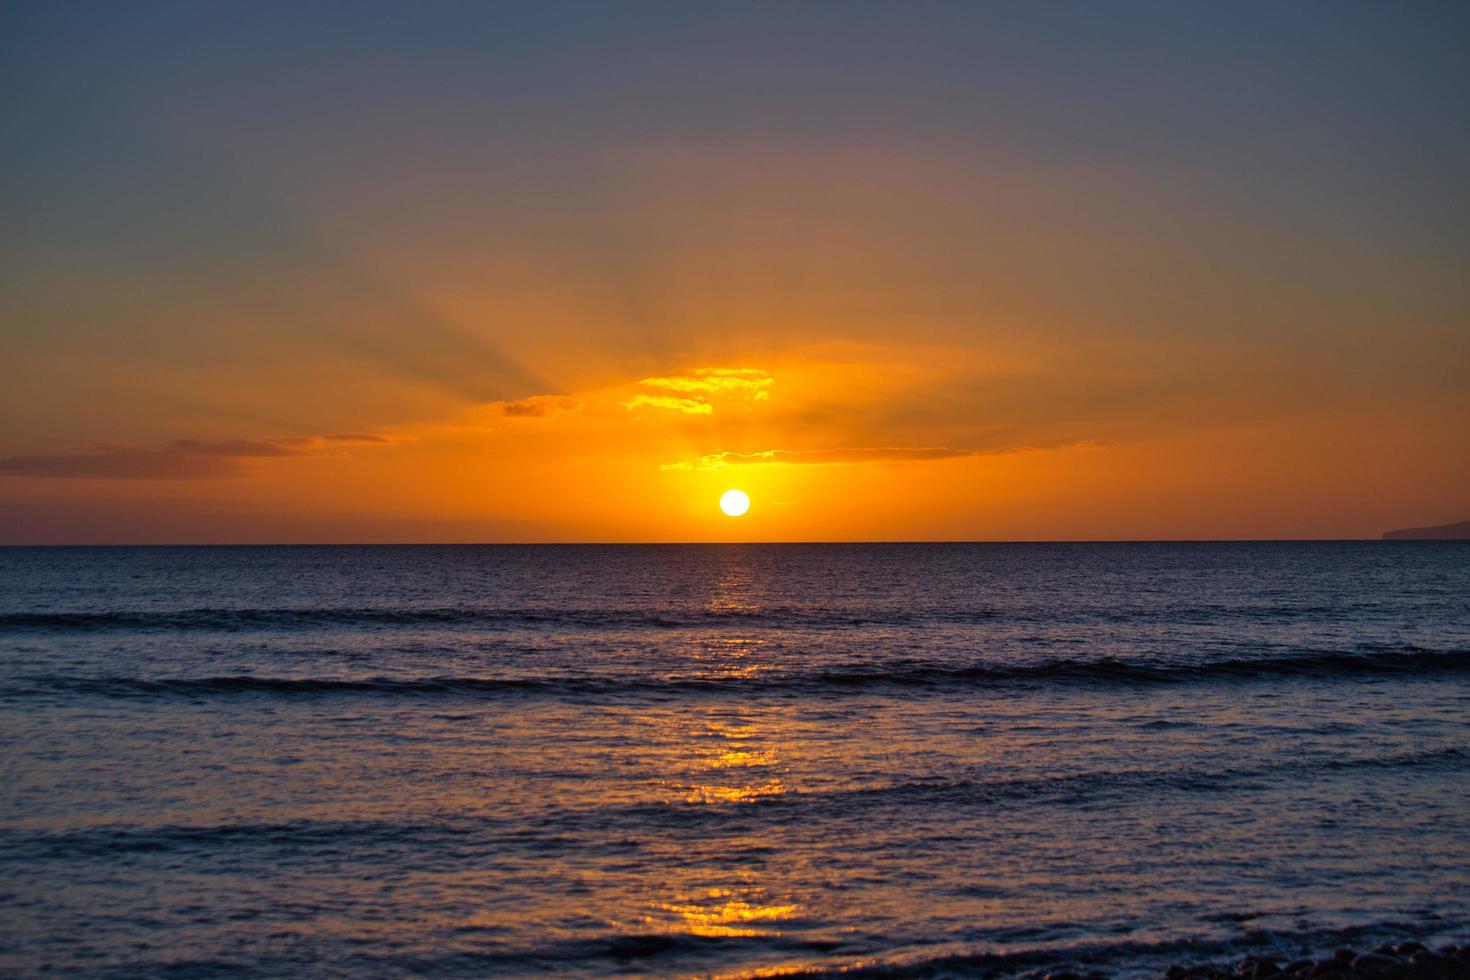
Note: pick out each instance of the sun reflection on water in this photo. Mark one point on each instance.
(725, 756)
(734, 794)
(734, 759)
(727, 657)
(724, 912)
(748, 765)
(738, 589)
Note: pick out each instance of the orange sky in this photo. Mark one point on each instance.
(840, 443)
(368, 291)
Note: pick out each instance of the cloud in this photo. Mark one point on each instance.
(714, 461)
(303, 445)
(690, 406)
(230, 447)
(865, 454)
(694, 393)
(126, 464)
(535, 406)
(740, 381)
(183, 459)
(354, 437)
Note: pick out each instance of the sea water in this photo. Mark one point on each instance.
(685, 760)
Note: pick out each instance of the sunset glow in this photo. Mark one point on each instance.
(909, 285)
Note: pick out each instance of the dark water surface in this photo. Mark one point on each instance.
(724, 759)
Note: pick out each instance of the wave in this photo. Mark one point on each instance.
(1113, 670)
(111, 840)
(806, 948)
(242, 619)
(904, 674)
(817, 955)
(584, 827)
(227, 620)
(1066, 790)
(773, 616)
(1131, 955)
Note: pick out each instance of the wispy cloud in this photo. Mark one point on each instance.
(183, 459)
(689, 406)
(852, 455)
(695, 393)
(307, 445)
(354, 437)
(536, 406)
(231, 448)
(709, 381)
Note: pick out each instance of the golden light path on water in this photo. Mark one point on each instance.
(733, 762)
(739, 765)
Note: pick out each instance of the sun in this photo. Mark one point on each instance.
(734, 502)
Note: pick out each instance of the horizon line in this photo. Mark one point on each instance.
(689, 544)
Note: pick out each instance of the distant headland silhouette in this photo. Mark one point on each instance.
(1439, 532)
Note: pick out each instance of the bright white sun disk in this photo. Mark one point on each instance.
(734, 502)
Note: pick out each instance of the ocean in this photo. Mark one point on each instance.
(889, 759)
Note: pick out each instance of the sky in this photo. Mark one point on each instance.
(563, 271)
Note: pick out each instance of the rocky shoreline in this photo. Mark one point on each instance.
(1407, 960)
